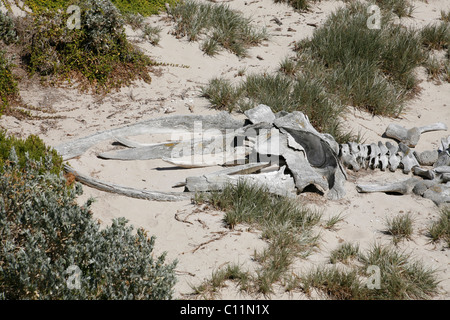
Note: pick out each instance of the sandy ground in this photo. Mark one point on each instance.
(196, 236)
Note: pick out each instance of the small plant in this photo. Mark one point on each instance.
(151, 34)
(436, 36)
(400, 278)
(222, 94)
(32, 148)
(400, 227)
(301, 5)
(8, 32)
(344, 252)
(440, 229)
(402, 8)
(221, 25)
(288, 67)
(445, 16)
(9, 91)
(332, 221)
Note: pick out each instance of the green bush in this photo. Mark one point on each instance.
(98, 52)
(32, 148)
(143, 7)
(8, 32)
(8, 83)
(52, 248)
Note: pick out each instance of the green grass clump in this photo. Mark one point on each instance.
(440, 229)
(218, 25)
(9, 91)
(301, 5)
(344, 252)
(32, 148)
(436, 36)
(400, 227)
(285, 225)
(400, 277)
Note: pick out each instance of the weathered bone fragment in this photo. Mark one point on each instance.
(321, 167)
(276, 182)
(408, 160)
(425, 173)
(423, 186)
(426, 158)
(410, 137)
(383, 158)
(348, 158)
(445, 177)
(167, 125)
(261, 113)
(374, 156)
(443, 159)
(126, 191)
(439, 194)
(131, 144)
(442, 169)
(445, 145)
(394, 158)
(402, 187)
(208, 160)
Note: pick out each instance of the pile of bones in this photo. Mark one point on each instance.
(281, 151)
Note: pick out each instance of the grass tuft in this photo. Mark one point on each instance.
(400, 227)
(218, 24)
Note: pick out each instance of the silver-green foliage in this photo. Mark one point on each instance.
(7, 29)
(44, 232)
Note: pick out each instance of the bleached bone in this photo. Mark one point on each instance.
(442, 169)
(443, 159)
(209, 160)
(131, 144)
(348, 158)
(410, 137)
(408, 160)
(127, 191)
(261, 113)
(166, 125)
(276, 182)
(402, 187)
(374, 156)
(394, 158)
(321, 154)
(383, 158)
(439, 194)
(425, 173)
(426, 158)
(445, 177)
(445, 144)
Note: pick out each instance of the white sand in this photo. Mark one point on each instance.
(197, 238)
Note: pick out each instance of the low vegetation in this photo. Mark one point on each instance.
(52, 248)
(381, 273)
(9, 91)
(440, 229)
(217, 25)
(286, 225)
(400, 227)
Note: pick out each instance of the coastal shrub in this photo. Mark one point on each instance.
(31, 148)
(98, 52)
(8, 83)
(52, 248)
(8, 32)
(143, 7)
